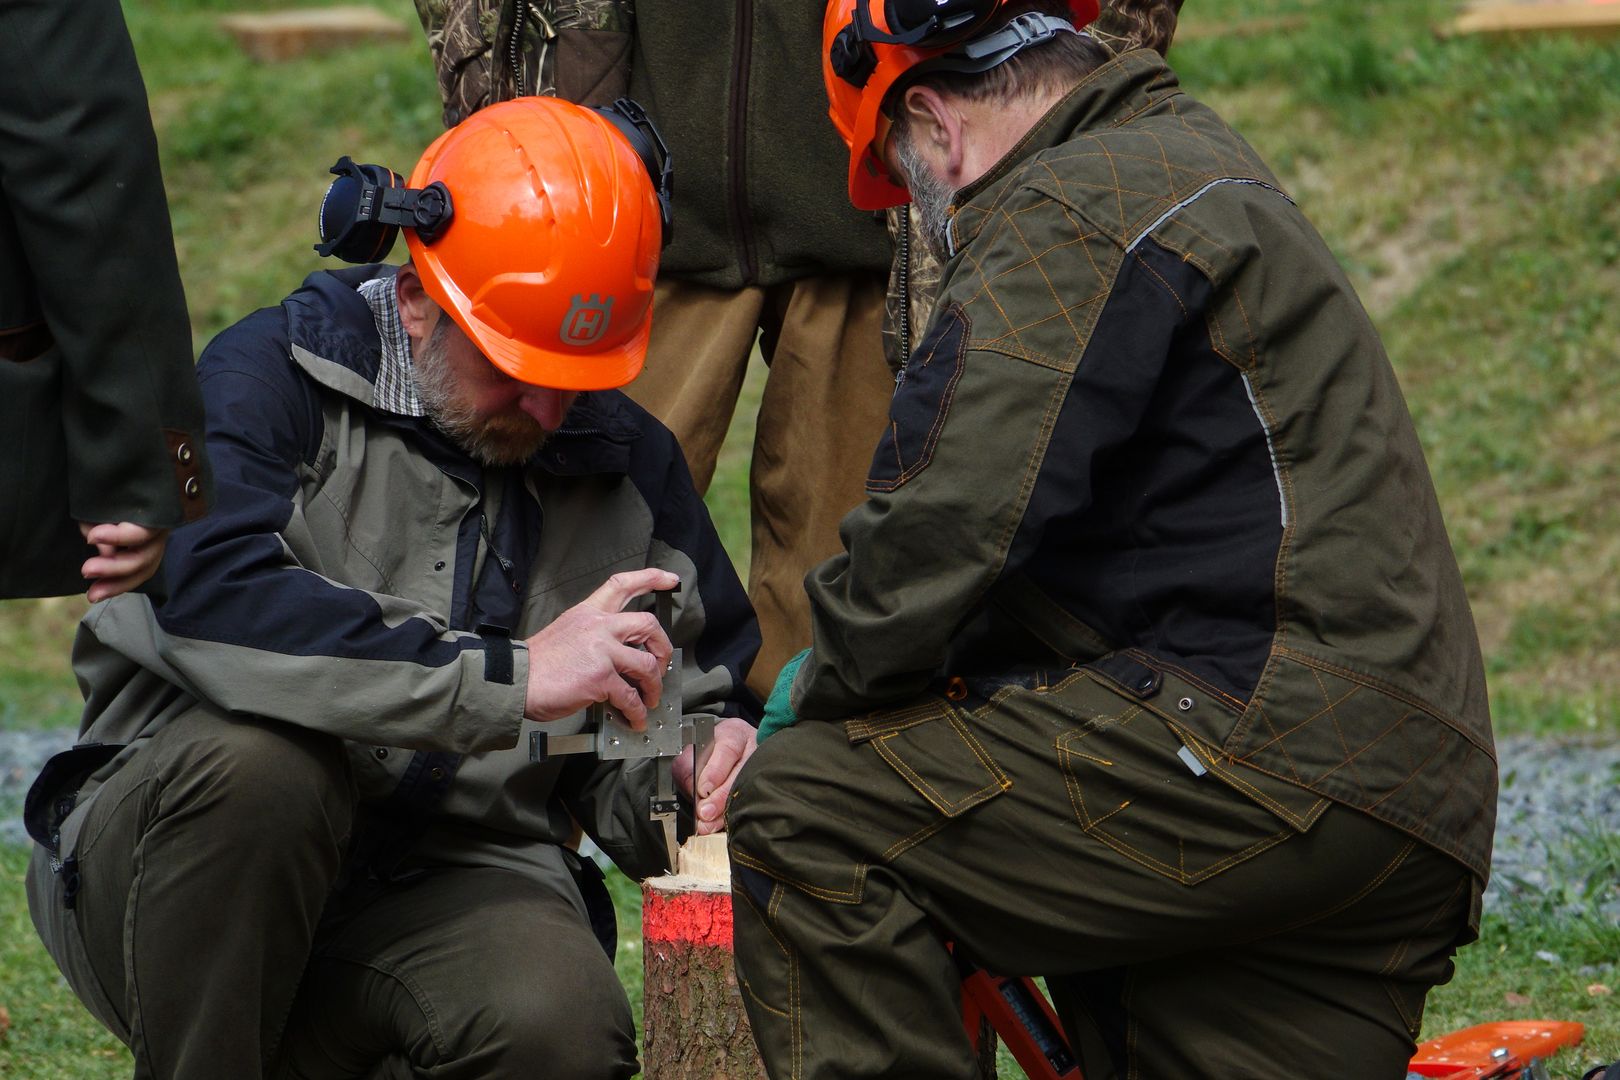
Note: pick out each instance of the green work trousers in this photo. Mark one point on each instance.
(825, 404)
(1194, 919)
(205, 932)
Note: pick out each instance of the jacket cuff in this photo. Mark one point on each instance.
(494, 690)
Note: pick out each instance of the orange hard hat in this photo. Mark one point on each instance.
(548, 260)
(866, 50)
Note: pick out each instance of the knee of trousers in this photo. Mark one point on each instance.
(590, 1037)
(259, 780)
(778, 804)
(566, 1022)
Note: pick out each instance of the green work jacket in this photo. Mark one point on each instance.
(1150, 416)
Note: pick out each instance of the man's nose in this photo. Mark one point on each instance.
(545, 406)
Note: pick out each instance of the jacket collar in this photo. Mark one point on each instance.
(1118, 90)
(334, 341)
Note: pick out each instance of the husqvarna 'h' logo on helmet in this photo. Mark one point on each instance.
(587, 319)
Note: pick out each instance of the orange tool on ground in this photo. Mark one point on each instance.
(1027, 1025)
(1507, 1049)
(1023, 1019)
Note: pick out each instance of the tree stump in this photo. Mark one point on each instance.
(692, 1011)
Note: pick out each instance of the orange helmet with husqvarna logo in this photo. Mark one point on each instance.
(548, 260)
(870, 46)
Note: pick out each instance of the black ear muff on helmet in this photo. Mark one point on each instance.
(632, 120)
(927, 24)
(366, 206)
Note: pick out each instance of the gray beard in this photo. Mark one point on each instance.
(507, 440)
(931, 197)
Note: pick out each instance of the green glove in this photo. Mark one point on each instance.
(778, 707)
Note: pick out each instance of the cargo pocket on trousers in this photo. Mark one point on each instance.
(1138, 789)
(931, 746)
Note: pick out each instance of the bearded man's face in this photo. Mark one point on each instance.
(931, 196)
(496, 419)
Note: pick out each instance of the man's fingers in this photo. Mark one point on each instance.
(733, 745)
(105, 588)
(117, 564)
(618, 590)
(723, 761)
(624, 697)
(642, 671)
(635, 627)
(125, 534)
(642, 628)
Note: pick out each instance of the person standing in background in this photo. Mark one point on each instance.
(100, 416)
(765, 248)
(761, 251)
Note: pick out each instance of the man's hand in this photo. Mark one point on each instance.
(126, 555)
(733, 744)
(589, 653)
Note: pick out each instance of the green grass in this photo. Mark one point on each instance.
(1471, 188)
(51, 1036)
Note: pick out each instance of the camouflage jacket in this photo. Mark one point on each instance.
(491, 50)
(1149, 414)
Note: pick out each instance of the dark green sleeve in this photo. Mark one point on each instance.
(972, 428)
(90, 243)
(945, 497)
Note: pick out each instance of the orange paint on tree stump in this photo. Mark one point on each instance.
(694, 918)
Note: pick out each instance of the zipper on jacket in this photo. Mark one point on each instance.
(904, 318)
(741, 58)
(514, 48)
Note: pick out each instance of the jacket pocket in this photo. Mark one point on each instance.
(922, 401)
(933, 749)
(593, 66)
(1150, 795)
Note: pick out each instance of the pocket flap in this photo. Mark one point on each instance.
(60, 779)
(932, 748)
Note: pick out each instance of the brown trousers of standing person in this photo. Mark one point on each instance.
(825, 403)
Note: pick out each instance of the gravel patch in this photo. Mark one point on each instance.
(22, 755)
(1559, 802)
(1558, 824)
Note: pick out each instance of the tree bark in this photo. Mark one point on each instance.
(692, 1011)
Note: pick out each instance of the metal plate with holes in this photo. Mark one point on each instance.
(615, 739)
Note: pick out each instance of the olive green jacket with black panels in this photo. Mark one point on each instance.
(364, 578)
(1151, 415)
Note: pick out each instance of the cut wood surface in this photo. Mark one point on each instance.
(1589, 17)
(283, 35)
(692, 1010)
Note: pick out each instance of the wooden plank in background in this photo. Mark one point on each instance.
(283, 35)
(1592, 18)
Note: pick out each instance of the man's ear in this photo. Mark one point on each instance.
(937, 128)
(417, 311)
